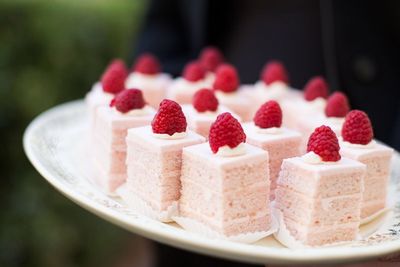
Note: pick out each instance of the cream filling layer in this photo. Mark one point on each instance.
(313, 158)
(171, 137)
(226, 151)
(146, 110)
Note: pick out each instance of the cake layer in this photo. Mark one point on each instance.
(225, 173)
(238, 103)
(377, 166)
(322, 235)
(111, 161)
(158, 191)
(375, 188)
(344, 177)
(159, 163)
(315, 212)
(107, 181)
(243, 225)
(225, 206)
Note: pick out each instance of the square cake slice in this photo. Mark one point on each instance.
(230, 195)
(321, 203)
(281, 143)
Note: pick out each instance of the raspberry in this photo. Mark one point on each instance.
(193, 72)
(147, 64)
(205, 100)
(169, 118)
(268, 115)
(274, 71)
(316, 87)
(337, 105)
(226, 130)
(210, 58)
(117, 64)
(113, 79)
(226, 78)
(127, 100)
(323, 142)
(357, 128)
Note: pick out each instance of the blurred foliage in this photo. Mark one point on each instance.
(51, 52)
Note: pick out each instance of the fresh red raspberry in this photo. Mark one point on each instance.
(337, 105)
(113, 79)
(210, 58)
(127, 100)
(268, 115)
(205, 100)
(323, 142)
(147, 64)
(357, 128)
(316, 87)
(226, 130)
(226, 78)
(169, 118)
(193, 72)
(117, 64)
(274, 71)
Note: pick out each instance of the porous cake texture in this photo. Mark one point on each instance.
(321, 203)
(109, 147)
(283, 144)
(229, 195)
(154, 166)
(377, 158)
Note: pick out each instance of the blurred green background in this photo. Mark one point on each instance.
(51, 52)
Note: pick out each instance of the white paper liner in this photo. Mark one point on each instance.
(140, 206)
(202, 229)
(284, 236)
(375, 215)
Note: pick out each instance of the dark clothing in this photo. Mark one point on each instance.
(353, 43)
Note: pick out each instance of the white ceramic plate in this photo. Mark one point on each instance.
(54, 142)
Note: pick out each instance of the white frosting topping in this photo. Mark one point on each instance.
(223, 95)
(170, 137)
(350, 145)
(318, 103)
(278, 86)
(272, 130)
(185, 85)
(335, 120)
(208, 113)
(313, 158)
(144, 81)
(226, 151)
(209, 79)
(146, 110)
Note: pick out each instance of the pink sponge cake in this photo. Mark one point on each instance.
(111, 83)
(319, 194)
(210, 58)
(313, 103)
(127, 110)
(225, 189)
(183, 88)
(204, 110)
(266, 132)
(146, 74)
(274, 84)
(154, 159)
(333, 116)
(226, 86)
(358, 144)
